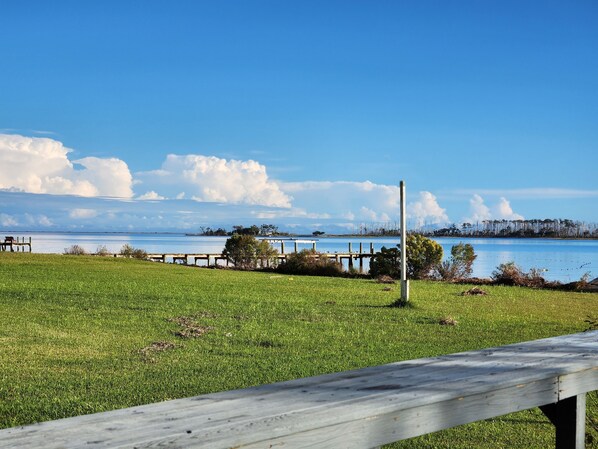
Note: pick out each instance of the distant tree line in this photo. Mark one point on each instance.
(557, 228)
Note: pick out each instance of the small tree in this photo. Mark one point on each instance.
(244, 251)
(463, 256)
(459, 266)
(423, 254)
(386, 262)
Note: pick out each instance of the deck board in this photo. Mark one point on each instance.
(359, 408)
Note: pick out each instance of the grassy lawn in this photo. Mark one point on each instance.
(82, 334)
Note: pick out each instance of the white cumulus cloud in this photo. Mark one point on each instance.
(502, 210)
(360, 201)
(151, 195)
(212, 179)
(478, 210)
(41, 165)
(426, 210)
(363, 201)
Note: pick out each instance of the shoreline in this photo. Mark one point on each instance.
(291, 236)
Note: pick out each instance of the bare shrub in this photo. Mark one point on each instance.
(511, 274)
(102, 251)
(447, 270)
(135, 253)
(75, 250)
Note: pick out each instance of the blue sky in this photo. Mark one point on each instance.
(312, 110)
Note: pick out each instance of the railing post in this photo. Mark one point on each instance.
(569, 418)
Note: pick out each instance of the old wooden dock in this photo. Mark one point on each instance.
(15, 244)
(353, 257)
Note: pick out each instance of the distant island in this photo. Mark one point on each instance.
(533, 228)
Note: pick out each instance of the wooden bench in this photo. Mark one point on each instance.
(353, 409)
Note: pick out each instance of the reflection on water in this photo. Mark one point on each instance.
(563, 260)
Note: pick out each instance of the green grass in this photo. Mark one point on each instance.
(72, 330)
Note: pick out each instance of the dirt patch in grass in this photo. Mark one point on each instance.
(189, 327)
(384, 279)
(154, 348)
(447, 321)
(474, 291)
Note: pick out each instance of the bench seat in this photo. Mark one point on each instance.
(353, 409)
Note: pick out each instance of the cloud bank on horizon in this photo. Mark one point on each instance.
(41, 165)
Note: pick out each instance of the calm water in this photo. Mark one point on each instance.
(563, 260)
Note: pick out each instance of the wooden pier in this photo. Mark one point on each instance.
(15, 244)
(353, 258)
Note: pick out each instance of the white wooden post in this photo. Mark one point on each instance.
(404, 281)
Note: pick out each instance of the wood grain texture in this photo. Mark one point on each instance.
(360, 408)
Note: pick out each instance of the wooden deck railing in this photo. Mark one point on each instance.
(353, 409)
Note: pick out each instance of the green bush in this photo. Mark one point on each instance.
(311, 263)
(386, 262)
(245, 252)
(423, 254)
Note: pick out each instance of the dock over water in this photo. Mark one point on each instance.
(15, 244)
(353, 256)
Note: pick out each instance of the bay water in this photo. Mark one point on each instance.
(560, 260)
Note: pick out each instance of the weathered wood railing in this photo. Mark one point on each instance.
(353, 409)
